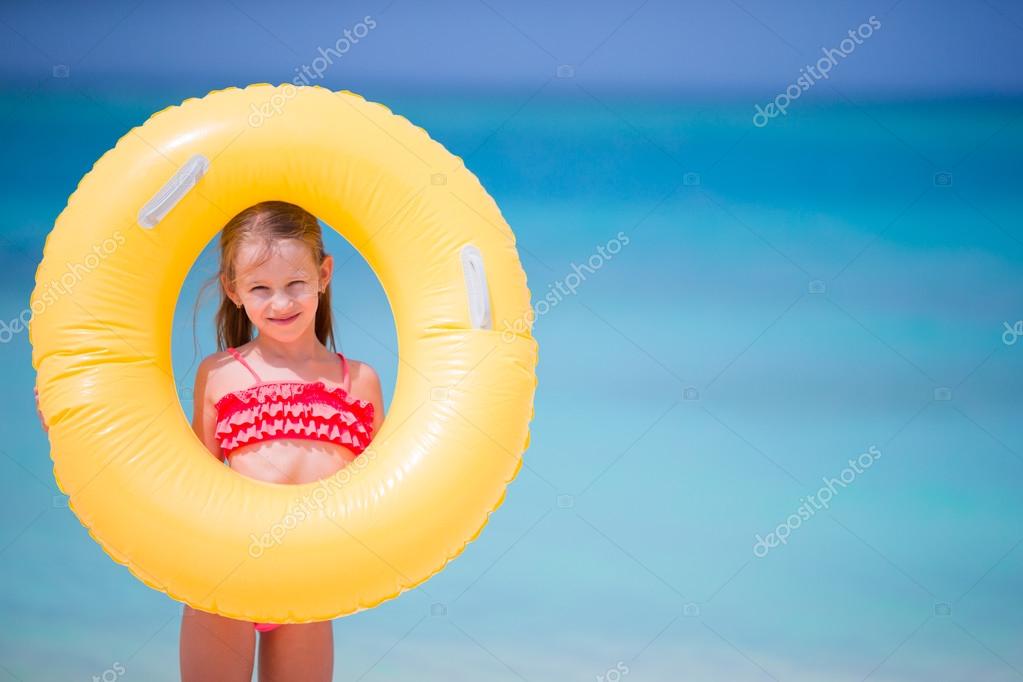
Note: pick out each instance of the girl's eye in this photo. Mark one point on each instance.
(261, 287)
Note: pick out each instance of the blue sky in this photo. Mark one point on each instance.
(921, 49)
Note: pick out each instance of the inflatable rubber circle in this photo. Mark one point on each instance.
(123, 449)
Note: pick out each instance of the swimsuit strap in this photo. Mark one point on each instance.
(344, 371)
(240, 359)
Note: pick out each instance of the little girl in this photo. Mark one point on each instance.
(275, 277)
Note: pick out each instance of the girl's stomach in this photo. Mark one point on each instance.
(290, 460)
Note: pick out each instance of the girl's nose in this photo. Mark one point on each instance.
(281, 301)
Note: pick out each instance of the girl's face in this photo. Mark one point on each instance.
(280, 295)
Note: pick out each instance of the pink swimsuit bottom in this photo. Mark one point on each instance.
(271, 410)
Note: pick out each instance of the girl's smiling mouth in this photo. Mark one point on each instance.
(284, 320)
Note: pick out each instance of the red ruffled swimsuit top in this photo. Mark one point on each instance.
(272, 410)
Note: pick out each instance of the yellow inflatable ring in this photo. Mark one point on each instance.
(123, 449)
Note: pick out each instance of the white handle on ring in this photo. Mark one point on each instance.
(173, 191)
(476, 287)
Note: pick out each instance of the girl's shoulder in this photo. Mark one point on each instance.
(215, 373)
(214, 362)
(360, 372)
(224, 358)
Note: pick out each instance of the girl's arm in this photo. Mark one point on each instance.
(42, 420)
(204, 414)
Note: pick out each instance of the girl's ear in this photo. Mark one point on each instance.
(326, 270)
(228, 289)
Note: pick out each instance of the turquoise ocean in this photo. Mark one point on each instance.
(841, 284)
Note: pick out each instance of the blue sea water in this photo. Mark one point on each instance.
(783, 299)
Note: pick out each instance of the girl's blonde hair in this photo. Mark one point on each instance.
(267, 222)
